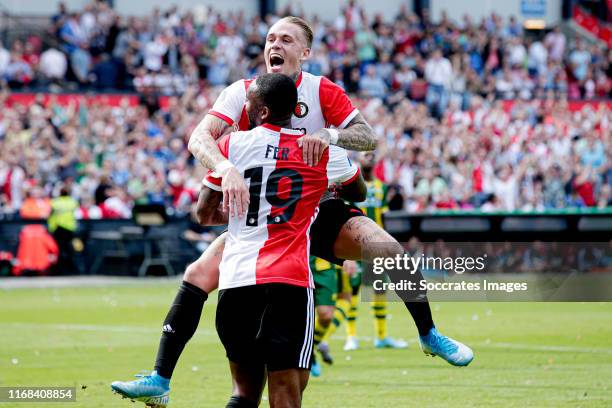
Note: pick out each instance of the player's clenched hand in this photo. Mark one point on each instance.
(350, 267)
(235, 192)
(313, 146)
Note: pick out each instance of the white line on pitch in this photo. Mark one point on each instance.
(531, 347)
(94, 328)
(205, 332)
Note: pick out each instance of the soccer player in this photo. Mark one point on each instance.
(340, 231)
(332, 298)
(373, 206)
(265, 313)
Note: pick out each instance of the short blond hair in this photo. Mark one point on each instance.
(304, 26)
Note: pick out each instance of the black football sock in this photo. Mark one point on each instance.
(421, 313)
(419, 307)
(415, 300)
(180, 324)
(240, 402)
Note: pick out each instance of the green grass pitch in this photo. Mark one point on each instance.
(527, 354)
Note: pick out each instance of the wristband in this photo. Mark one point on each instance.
(333, 136)
(223, 166)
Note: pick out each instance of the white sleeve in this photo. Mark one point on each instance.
(230, 102)
(339, 166)
(212, 181)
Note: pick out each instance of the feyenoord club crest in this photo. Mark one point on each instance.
(301, 110)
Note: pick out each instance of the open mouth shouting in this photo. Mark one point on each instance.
(276, 62)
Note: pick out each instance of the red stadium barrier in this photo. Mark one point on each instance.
(66, 99)
(592, 25)
(572, 106)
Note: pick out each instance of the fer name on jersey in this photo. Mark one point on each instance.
(278, 153)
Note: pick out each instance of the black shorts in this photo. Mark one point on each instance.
(270, 324)
(333, 214)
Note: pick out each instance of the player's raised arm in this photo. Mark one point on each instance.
(203, 145)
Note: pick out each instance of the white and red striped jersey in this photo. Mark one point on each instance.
(321, 103)
(271, 243)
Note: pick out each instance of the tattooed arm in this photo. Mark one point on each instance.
(207, 211)
(203, 146)
(202, 143)
(357, 136)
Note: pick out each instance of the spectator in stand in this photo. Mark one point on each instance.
(5, 59)
(605, 198)
(12, 177)
(405, 44)
(591, 151)
(105, 73)
(438, 73)
(371, 85)
(53, 65)
(579, 59)
(365, 41)
(537, 58)
(58, 19)
(517, 54)
(583, 184)
(18, 72)
(554, 188)
(431, 184)
(385, 69)
(154, 51)
(230, 46)
(75, 44)
(468, 154)
(555, 43)
(218, 71)
(88, 210)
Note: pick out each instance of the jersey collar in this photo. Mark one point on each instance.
(273, 128)
(285, 131)
(299, 80)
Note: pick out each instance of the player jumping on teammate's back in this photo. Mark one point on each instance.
(340, 231)
(265, 259)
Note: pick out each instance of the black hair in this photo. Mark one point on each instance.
(278, 93)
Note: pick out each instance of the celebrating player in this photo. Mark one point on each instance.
(340, 231)
(373, 206)
(265, 259)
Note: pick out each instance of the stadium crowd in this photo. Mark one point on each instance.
(434, 93)
(169, 50)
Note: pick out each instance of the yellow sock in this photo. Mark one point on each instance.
(342, 308)
(379, 308)
(319, 331)
(351, 317)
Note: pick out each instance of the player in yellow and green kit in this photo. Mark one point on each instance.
(332, 298)
(374, 206)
